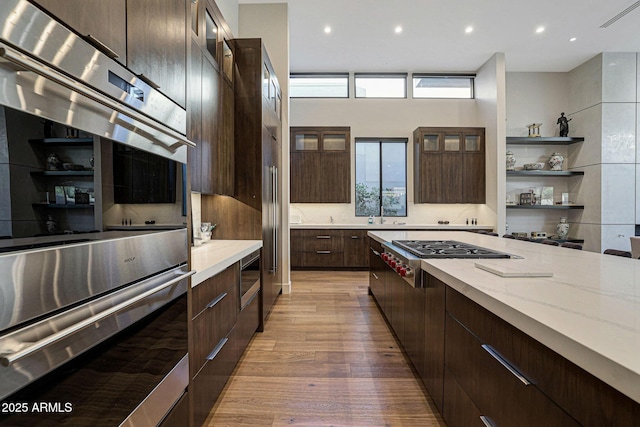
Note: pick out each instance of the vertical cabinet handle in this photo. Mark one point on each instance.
(274, 196)
(506, 364)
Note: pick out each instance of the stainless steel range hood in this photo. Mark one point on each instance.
(49, 71)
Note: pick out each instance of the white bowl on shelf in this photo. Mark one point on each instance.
(533, 166)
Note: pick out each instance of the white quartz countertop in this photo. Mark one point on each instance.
(391, 226)
(214, 256)
(588, 311)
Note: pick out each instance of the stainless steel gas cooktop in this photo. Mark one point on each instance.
(446, 249)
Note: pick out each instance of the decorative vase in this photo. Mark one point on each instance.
(53, 162)
(562, 229)
(555, 161)
(511, 161)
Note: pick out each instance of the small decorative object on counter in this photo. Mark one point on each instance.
(511, 161)
(562, 229)
(526, 199)
(555, 161)
(370, 219)
(564, 125)
(53, 162)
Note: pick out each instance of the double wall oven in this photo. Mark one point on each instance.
(93, 241)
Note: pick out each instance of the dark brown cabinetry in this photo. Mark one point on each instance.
(449, 165)
(215, 304)
(434, 322)
(257, 153)
(324, 248)
(320, 165)
(102, 23)
(159, 60)
(210, 112)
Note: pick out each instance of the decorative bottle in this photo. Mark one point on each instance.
(562, 229)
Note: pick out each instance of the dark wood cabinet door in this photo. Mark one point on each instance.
(194, 116)
(434, 323)
(160, 59)
(224, 175)
(210, 121)
(96, 20)
(452, 182)
(356, 249)
(460, 410)
(396, 289)
(414, 326)
(474, 178)
(335, 177)
(306, 181)
(429, 187)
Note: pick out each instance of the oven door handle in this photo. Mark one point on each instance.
(7, 360)
(25, 63)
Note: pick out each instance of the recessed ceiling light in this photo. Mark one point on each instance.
(327, 29)
(540, 30)
(469, 29)
(398, 29)
(572, 39)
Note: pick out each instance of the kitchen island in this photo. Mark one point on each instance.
(586, 315)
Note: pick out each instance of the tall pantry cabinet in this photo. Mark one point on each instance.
(258, 132)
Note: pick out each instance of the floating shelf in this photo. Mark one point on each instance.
(559, 207)
(553, 140)
(62, 173)
(544, 173)
(62, 141)
(62, 206)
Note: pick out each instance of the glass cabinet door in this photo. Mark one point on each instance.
(306, 142)
(472, 143)
(334, 142)
(430, 143)
(452, 143)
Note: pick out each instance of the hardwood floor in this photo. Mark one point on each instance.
(326, 358)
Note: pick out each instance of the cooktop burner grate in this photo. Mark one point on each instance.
(446, 249)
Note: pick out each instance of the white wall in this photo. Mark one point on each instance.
(394, 118)
(229, 9)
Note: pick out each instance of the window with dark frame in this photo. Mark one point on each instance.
(380, 85)
(319, 85)
(381, 177)
(439, 86)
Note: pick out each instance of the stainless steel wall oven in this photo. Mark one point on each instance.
(93, 312)
(249, 277)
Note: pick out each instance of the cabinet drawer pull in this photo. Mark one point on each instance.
(217, 300)
(148, 81)
(323, 237)
(374, 275)
(102, 47)
(506, 364)
(487, 421)
(354, 237)
(376, 253)
(217, 348)
(323, 252)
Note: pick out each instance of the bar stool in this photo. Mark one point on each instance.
(508, 236)
(571, 245)
(526, 239)
(617, 252)
(549, 242)
(491, 233)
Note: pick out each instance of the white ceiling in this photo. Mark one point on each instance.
(434, 39)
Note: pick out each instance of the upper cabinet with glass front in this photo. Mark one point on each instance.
(320, 165)
(449, 165)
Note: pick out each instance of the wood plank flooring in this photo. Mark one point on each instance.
(326, 358)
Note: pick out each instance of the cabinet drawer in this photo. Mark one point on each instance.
(322, 258)
(586, 398)
(494, 385)
(208, 384)
(460, 411)
(207, 291)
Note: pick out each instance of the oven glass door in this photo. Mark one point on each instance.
(106, 384)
